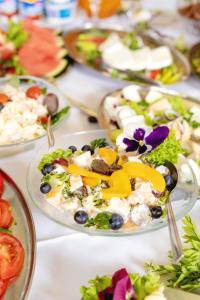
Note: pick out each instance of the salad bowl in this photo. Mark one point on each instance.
(88, 46)
(183, 198)
(24, 83)
(24, 231)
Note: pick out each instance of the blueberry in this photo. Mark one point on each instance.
(47, 168)
(73, 148)
(116, 222)
(81, 217)
(170, 183)
(156, 212)
(45, 188)
(92, 119)
(1, 106)
(87, 148)
(107, 296)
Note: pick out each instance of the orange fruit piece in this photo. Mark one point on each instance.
(3, 98)
(76, 170)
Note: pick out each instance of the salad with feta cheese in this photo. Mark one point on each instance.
(129, 51)
(135, 106)
(123, 285)
(103, 187)
(24, 112)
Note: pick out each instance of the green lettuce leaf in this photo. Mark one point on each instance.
(168, 150)
(96, 286)
(60, 115)
(50, 157)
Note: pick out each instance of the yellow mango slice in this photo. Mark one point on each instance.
(76, 170)
(120, 186)
(91, 181)
(54, 191)
(145, 172)
(108, 154)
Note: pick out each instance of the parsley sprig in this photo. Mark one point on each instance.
(186, 273)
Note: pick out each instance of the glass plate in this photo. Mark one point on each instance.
(28, 81)
(183, 197)
(24, 230)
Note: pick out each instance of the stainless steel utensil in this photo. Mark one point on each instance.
(176, 244)
(51, 102)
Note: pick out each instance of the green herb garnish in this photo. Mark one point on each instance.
(98, 143)
(16, 34)
(60, 115)
(178, 105)
(96, 286)
(168, 150)
(56, 179)
(5, 230)
(186, 273)
(50, 157)
(101, 221)
(131, 41)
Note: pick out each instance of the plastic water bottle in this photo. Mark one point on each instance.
(32, 9)
(60, 11)
(8, 8)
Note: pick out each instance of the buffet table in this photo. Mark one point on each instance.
(67, 259)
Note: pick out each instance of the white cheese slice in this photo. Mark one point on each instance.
(153, 96)
(141, 59)
(75, 183)
(110, 41)
(125, 112)
(110, 105)
(160, 57)
(131, 93)
(141, 215)
(136, 120)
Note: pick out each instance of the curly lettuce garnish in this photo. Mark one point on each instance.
(50, 157)
(186, 273)
(121, 285)
(169, 150)
(178, 105)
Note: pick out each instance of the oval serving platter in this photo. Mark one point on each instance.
(71, 39)
(24, 230)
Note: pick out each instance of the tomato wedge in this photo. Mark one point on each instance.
(11, 256)
(3, 98)
(33, 92)
(6, 217)
(3, 287)
(1, 185)
(153, 74)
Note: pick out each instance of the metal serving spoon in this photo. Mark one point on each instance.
(171, 182)
(51, 102)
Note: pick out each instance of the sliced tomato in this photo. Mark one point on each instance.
(11, 256)
(43, 120)
(3, 287)
(33, 92)
(97, 40)
(153, 74)
(6, 218)
(6, 54)
(1, 185)
(3, 98)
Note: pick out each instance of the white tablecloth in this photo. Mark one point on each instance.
(67, 259)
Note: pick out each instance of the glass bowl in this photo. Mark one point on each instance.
(183, 197)
(24, 230)
(28, 81)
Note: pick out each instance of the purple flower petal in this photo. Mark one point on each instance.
(132, 145)
(157, 136)
(142, 149)
(139, 134)
(122, 285)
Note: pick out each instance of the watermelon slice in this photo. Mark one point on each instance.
(43, 54)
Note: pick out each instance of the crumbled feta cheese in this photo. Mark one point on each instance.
(120, 144)
(75, 183)
(125, 112)
(161, 105)
(71, 204)
(142, 194)
(141, 215)
(157, 295)
(83, 160)
(195, 114)
(133, 120)
(119, 206)
(59, 169)
(110, 105)
(134, 159)
(131, 93)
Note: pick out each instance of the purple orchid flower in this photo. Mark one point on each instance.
(142, 143)
(121, 288)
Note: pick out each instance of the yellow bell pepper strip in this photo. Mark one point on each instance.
(76, 170)
(91, 181)
(143, 171)
(119, 186)
(108, 154)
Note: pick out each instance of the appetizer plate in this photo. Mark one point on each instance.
(71, 39)
(194, 59)
(183, 198)
(24, 230)
(26, 82)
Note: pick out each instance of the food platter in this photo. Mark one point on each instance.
(183, 197)
(25, 83)
(71, 39)
(23, 230)
(194, 58)
(32, 50)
